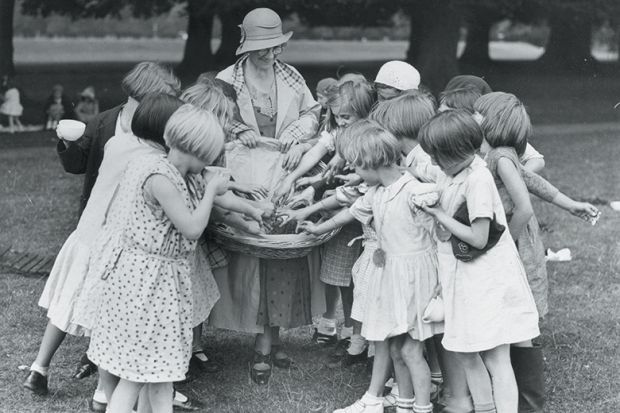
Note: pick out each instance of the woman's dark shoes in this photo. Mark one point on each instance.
(85, 369)
(201, 363)
(346, 360)
(36, 382)
(261, 368)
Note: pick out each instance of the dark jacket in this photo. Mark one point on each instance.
(85, 155)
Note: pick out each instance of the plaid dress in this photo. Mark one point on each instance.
(337, 257)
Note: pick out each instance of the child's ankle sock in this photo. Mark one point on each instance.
(358, 345)
(99, 396)
(346, 332)
(436, 377)
(404, 405)
(327, 326)
(423, 409)
(485, 408)
(368, 398)
(39, 369)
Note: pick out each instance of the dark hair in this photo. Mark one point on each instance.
(227, 89)
(405, 114)
(505, 120)
(451, 136)
(461, 98)
(152, 114)
(460, 81)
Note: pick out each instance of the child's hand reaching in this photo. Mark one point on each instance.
(288, 215)
(351, 179)
(583, 210)
(254, 228)
(304, 198)
(255, 191)
(309, 228)
(335, 166)
(267, 208)
(307, 180)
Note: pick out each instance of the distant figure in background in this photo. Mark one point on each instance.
(323, 88)
(88, 105)
(11, 107)
(57, 107)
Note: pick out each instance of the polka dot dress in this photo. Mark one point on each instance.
(143, 326)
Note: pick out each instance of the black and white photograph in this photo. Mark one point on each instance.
(309, 206)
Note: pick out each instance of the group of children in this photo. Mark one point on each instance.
(438, 195)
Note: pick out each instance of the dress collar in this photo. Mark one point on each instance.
(477, 163)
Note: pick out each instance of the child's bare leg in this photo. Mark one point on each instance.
(405, 400)
(144, 403)
(197, 338)
(52, 338)
(478, 380)
(108, 383)
(124, 397)
(413, 356)
(346, 293)
(18, 122)
(381, 367)
(433, 360)
(455, 389)
(11, 124)
(326, 329)
(505, 393)
(160, 396)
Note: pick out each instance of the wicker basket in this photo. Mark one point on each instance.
(275, 247)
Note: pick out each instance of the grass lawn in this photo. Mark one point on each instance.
(39, 204)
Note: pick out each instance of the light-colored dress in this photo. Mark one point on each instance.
(143, 330)
(399, 292)
(487, 301)
(66, 280)
(11, 105)
(529, 243)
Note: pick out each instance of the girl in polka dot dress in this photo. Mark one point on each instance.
(143, 331)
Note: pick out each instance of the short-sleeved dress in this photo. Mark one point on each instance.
(487, 301)
(11, 105)
(399, 292)
(529, 243)
(143, 330)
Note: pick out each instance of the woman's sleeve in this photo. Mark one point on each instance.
(306, 126)
(539, 186)
(362, 208)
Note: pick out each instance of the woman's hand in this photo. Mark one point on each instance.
(335, 166)
(255, 191)
(351, 179)
(293, 156)
(286, 142)
(219, 183)
(249, 138)
(309, 228)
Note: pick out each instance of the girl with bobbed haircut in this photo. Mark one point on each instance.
(505, 120)
(461, 98)
(207, 96)
(451, 137)
(369, 145)
(404, 115)
(150, 77)
(152, 114)
(195, 131)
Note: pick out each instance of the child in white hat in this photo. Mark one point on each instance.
(395, 77)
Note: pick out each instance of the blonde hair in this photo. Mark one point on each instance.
(505, 122)
(150, 77)
(196, 132)
(209, 97)
(352, 77)
(368, 145)
(405, 114)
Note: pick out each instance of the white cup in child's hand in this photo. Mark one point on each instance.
(70, 130)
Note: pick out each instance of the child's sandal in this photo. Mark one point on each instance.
(261, 368)
(280, 359)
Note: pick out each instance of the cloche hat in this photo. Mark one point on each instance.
(261, 29)
(399, 75)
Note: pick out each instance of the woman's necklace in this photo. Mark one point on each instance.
(264, 101)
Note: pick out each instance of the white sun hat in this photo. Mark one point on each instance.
(399, 75)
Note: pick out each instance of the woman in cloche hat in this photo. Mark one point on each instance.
(279, 117)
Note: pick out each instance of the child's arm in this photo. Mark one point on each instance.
(301, 214)
(257, 191)
(476, 235)
(189, 223)
(294, 155)
(236, 220)
(341, 218)
(532, 160)
(310, 158)
(232, 202)
(523, 211)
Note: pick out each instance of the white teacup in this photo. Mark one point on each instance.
(70, 130)
(434, 312)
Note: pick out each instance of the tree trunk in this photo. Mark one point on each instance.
(7, 8)
(570, 44)
(478, 36)
(436, 26)
(197, 56)
(231, 19)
